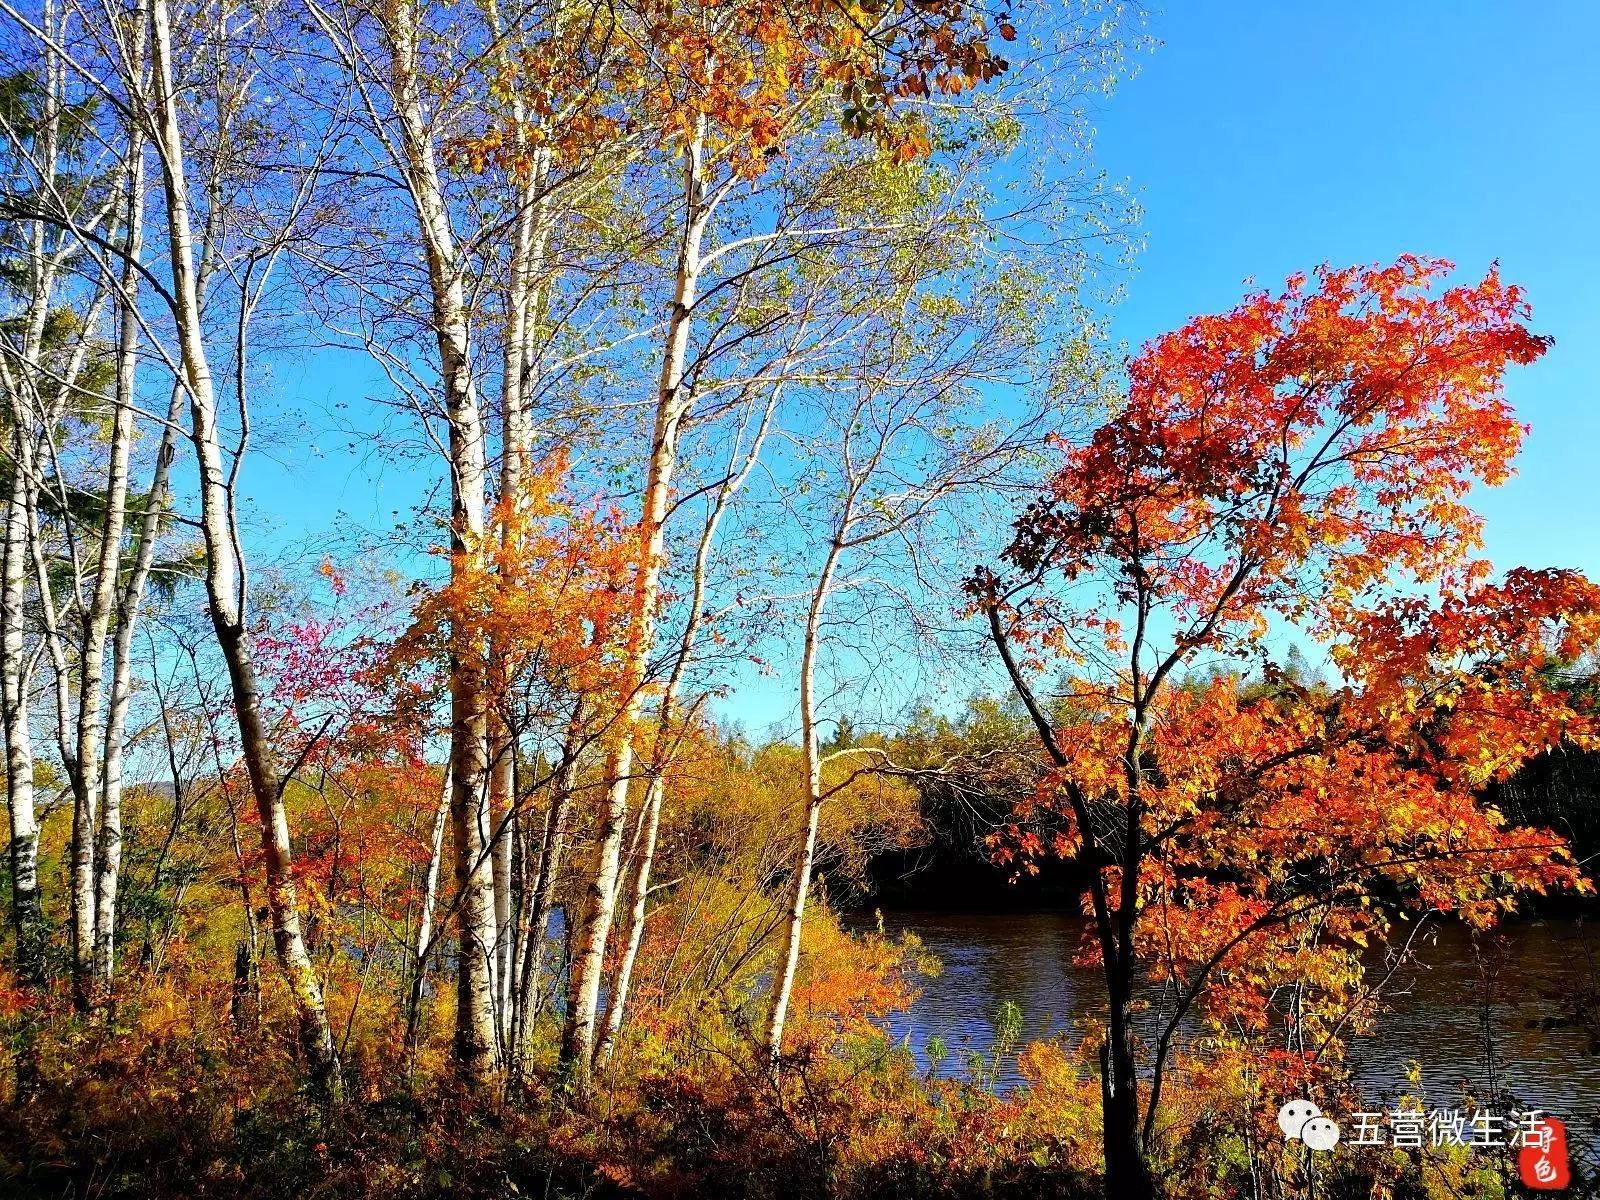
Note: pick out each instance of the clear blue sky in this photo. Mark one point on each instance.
(1266, 138)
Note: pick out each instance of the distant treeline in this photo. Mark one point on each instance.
(1559, 790)
(953, 870)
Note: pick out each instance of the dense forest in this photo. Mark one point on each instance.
(947, 863)
(714, 353)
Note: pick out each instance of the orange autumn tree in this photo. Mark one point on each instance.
(545, 612)
(732, 75)
(1302, 460)
(550, 594)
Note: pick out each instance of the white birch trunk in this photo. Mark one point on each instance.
(223, 582)
(528, 237)
(638, 903)
(546, 876)
(26, 909)
(107, 836)
(423, 945)
(578, 1041)
(471, 820)
(17, 379)
(783, 986)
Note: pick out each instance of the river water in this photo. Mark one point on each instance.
(1529, 981)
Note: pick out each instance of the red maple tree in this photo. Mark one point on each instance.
(1303, 462)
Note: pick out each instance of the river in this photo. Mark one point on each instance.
(1534, 975)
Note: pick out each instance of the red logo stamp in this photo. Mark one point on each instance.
(1542, 1160)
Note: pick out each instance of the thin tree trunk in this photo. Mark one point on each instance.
(424, 943)
(502, 784)
(638, 901)
(530, 235)
(92, 754)
(501, 835)
(224, 586)
(639, 905)
(577, 1044)
(513, 937)
(551, 850)
(470, 819)
(27, 914)
(147, 951)
(109, 846)
(783, 987)
(83, 780)
(16, 662)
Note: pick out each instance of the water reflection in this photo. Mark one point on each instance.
(1449, 1008)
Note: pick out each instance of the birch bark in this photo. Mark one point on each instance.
(639, 895)
(25, 379)
(105, 835)
(471, 821)
(423, 946)
(223, 569)
(578, 1040)
(783, 987)
(26, 907)
(530, 237)
(16, 660)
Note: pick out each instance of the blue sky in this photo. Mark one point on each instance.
(1267, 138)
(1263, 139)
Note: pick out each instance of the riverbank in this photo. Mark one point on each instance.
(1509, 1015)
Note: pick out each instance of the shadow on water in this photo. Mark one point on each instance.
(1536, 976)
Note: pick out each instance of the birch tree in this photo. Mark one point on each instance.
(712, 128)
(51, 366)
(224, 576)
(424, 85)
(744, 457)
(910, 456)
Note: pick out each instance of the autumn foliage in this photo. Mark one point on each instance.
(523, 838)
(1246, 829)
(543, 605)
(751, 74)
(1304, 461)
